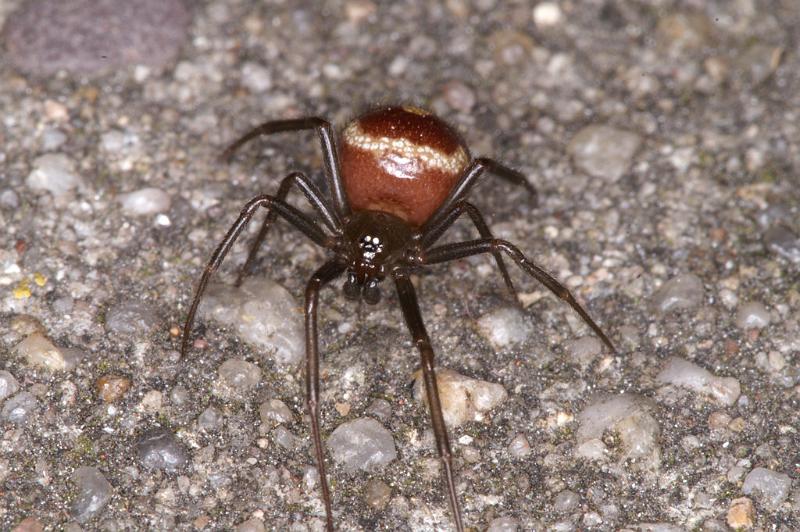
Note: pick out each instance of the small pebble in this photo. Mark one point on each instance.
(463, 399)
(771, 487)
(547, 14)
(753, 315)
(459, 96)
(566, 501)
(210, 419)
(40, 352)
(54, 173)
(93, 492)
(628, 416)
(111, 388)
(684, 31)
(19, 408)
(264, 315)
(584, 350)
(145, 202)
(8, 384)
(275, 412)
(603, 151)
(159, 449)
(285, 438)
(504, 327)
(377, 494)
(741, 514)
(9, 199)
(783, 242)
(503, 524)
(251, 525)
(132, 318)
(256, 77)
(519, 447)
(680, 372)
(52, 139)
(362, 444)
(239, 375)
(681, 292)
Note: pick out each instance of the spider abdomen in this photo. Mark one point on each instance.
(400, 160)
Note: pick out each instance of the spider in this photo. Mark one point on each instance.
(398, 178)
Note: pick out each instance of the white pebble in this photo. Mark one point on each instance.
(463, 399)
(54, 173)
(264, 315)
(40, 352)
(18, 408)
(503, 524)
(519, 446)
(628, 415)
(603, 151)
(145, 201)
(8, 384)
(752, 315)
(238, 376)
(362, 444)
(680, 372)
(547, 14)
(681, 292)
(275, 412)
(504, 327)
(255, 77)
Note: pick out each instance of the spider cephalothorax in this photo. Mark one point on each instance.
(399, 178)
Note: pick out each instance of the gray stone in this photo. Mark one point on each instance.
(783, 242)
(753, 315)
(682, 292)
(504, 327)
(8, 384)
(680, 372)
(503, 524)
(239, 376)
(131, 317)
(19, 408)
(264, 315)
(94, 36)
(362, 444)
(566, 501)
(54, 173)
(275, 412)
(772, 487)
(159, 449)
(93, 493)
(603, 151)
(210, 419)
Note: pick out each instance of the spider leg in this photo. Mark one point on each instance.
(433, 233)
(329, 153)
(408, 302)
(295, 217)
(315, 198)
(448, 252)
(322, 276)
(471, 175)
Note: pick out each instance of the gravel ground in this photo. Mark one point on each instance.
(662, 137)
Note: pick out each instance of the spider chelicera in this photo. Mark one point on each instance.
(398, 178)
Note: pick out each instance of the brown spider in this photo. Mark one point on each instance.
(398, 180)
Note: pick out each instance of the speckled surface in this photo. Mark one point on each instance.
(663, 139)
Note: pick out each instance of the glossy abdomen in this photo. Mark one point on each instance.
(400, 160)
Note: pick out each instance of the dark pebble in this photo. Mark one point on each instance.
(159, 449)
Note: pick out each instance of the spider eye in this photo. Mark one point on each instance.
(350, 288)
(372, 294)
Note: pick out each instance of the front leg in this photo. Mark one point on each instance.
(329, 271)
(408, 302)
